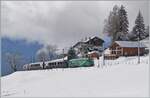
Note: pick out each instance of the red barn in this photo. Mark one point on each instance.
(127, 48)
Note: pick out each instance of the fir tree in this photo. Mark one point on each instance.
(139, 28)
(123, 24)
(147, 31)
(117, 24)
(71, 54)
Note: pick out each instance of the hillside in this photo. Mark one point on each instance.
(113, 80)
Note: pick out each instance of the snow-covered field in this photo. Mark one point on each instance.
(115, 79)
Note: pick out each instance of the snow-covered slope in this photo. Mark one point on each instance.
(123, 80)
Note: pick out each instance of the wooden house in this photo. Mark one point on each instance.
(89, 45)
(108, 55)
(91, 41)
(127, 48)
(95, 41)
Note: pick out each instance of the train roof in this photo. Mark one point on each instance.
(57, 60)
(36, 63)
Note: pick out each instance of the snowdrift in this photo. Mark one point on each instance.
(117, 80)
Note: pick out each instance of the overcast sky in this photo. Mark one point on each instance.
(61, 22)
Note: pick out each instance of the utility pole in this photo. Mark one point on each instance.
(139, 48)
(103, 56)
(63, 54)
(98, 61)
(138, 51)
(32, 59)
(63, 57)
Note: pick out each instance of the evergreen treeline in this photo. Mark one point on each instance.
(117, 26)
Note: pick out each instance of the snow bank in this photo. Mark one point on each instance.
(123, 80)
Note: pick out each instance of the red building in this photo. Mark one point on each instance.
(93, 55)
(127, 48)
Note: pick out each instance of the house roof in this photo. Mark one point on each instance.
(85, 41)
(146, 42)
(93, 52)
(107, 51)
(130, 44)
(78, 44)
(93, 37)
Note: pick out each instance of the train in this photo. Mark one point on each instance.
(60, 63)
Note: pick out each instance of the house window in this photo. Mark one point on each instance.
(113, 52)
(119, 52)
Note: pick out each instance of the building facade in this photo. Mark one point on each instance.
(127, 48)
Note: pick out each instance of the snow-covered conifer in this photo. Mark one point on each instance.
(123, 24)
(139, 28)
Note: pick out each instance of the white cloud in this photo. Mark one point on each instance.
(61, 22)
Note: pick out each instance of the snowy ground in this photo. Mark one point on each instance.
(115, 79)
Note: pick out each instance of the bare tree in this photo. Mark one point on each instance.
(51, 51)
(13, 59)
(46, 53)
(42, 56)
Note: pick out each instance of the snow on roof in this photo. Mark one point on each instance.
(93, 52)
(145, 41)
(85, 41)
(107, 51)
(37, 63)
(147, 38)
(57, 60)
(78, 43)
(129, 44)
(79, 55)
(89, 39)
(25, 66)
(92, 38)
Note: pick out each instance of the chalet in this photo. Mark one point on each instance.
(94, 41)
(89, 45)
(127, 48)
